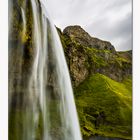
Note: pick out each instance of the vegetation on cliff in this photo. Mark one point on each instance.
(102, 82)
(85, 58)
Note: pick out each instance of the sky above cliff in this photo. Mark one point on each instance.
(105, 19)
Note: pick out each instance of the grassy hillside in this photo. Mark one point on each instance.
(104, 106)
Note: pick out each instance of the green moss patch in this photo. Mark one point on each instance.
(104, 107)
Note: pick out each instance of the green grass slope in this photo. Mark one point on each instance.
(104, 106)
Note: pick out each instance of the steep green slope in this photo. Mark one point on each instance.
(104, 106)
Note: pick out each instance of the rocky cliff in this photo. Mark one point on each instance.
(89, 55)
(102, 81)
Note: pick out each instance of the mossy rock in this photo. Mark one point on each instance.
(87, 55)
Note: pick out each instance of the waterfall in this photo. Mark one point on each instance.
(41, 101)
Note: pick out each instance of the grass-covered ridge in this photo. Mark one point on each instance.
(104, 106)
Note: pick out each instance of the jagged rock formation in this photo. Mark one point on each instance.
(102, 81)
(83, 38)
(88, 55)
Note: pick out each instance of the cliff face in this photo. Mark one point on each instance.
(102, 81)
(83, 38)
(88, 55)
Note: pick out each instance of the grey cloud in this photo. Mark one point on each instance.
(124, 28)
(117, 4)
(120, 30)
(112, 30)
(107, 19)
(125, 44)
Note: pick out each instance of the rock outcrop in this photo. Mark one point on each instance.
(83, 38)
(88, 55)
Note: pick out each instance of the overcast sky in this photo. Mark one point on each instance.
(105, 19)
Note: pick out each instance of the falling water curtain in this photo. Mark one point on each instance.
(41, 102)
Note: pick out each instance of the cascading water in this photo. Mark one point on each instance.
(41, 102)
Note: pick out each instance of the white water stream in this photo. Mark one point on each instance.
(49, 107)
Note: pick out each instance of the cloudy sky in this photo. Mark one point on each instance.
(105, 19)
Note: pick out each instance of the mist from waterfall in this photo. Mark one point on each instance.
(41, 102)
